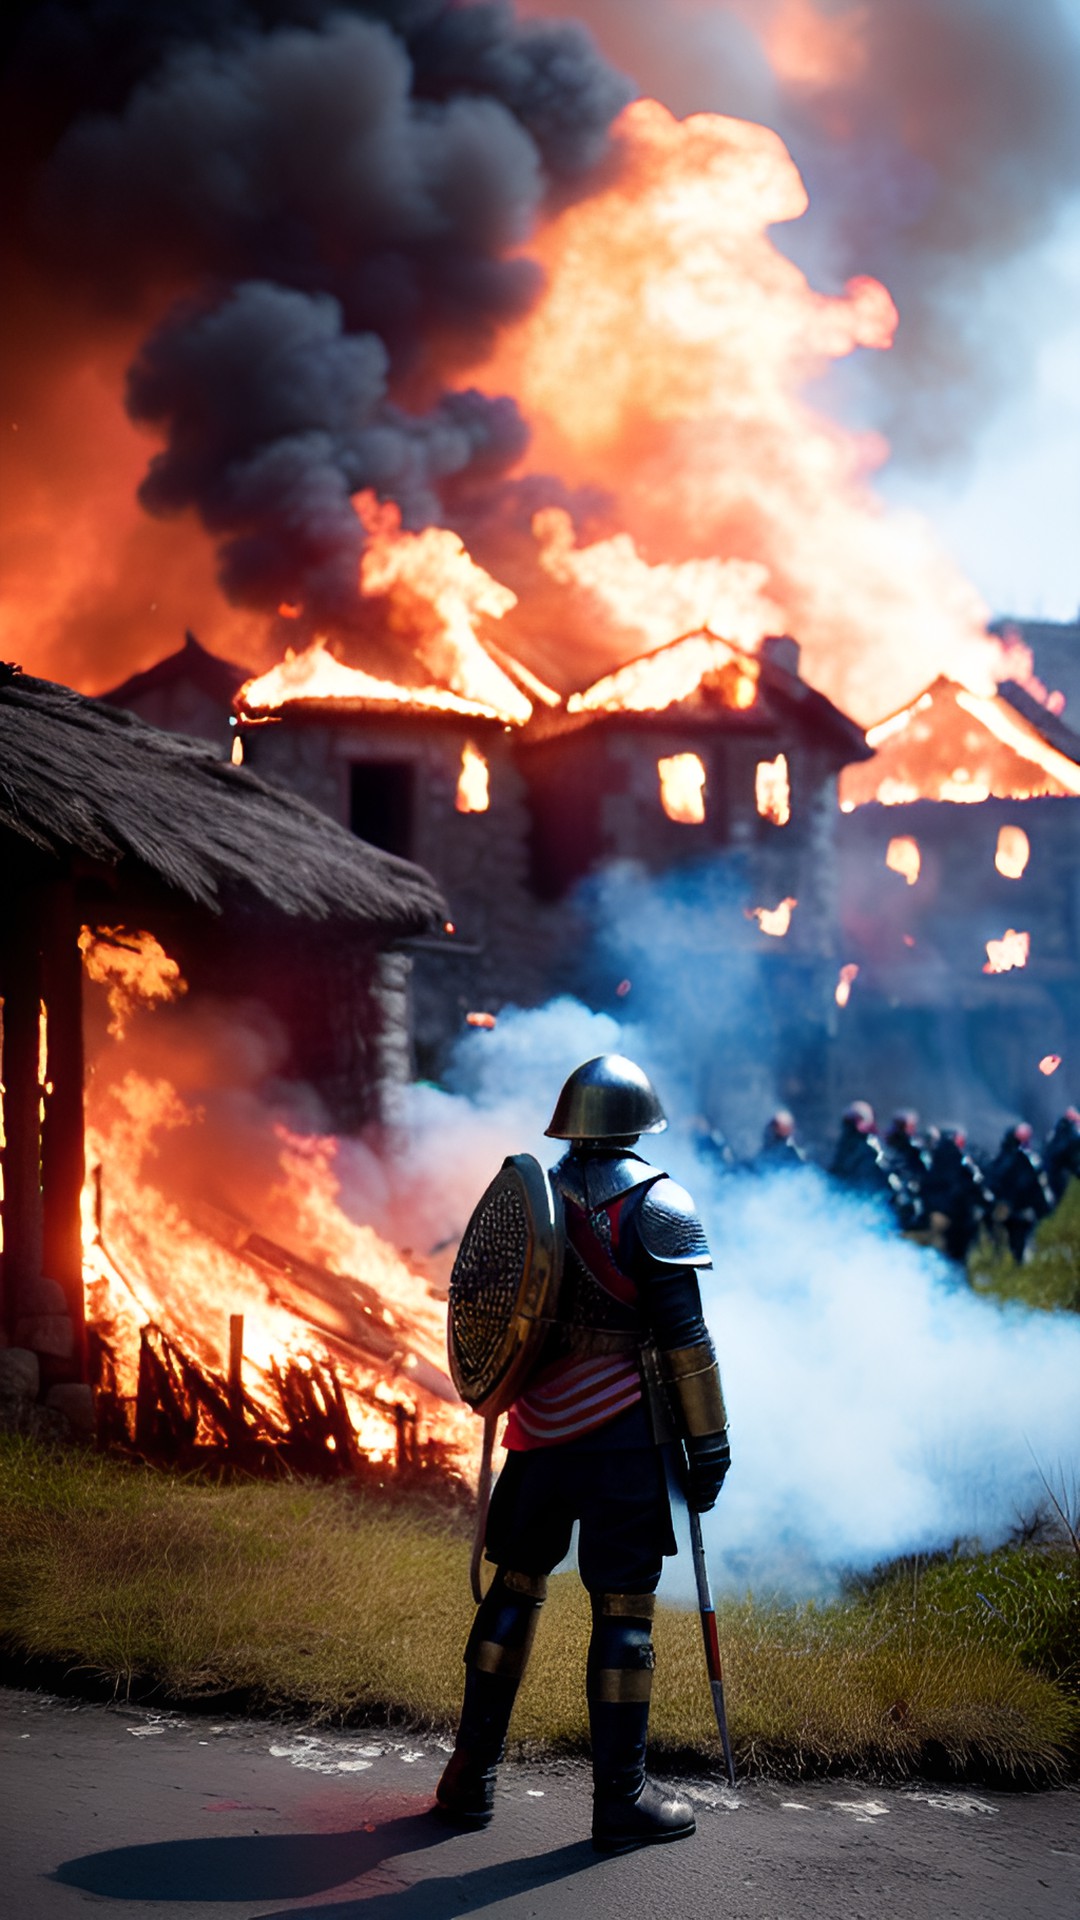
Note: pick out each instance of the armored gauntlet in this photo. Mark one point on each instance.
(692, 1378)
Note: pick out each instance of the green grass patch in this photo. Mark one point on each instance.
(1050, 1275)
(314, 1600)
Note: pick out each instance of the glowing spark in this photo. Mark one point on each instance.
(484, 1020)
(848, 975)
(1010, 951)
(237, 754)
(774, 921)
(1050, 1063)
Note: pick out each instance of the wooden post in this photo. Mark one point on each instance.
(237, 1424)
(21, 977)
(63, 1162)
(145, 1397)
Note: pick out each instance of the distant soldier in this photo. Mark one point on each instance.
(905, 1157)
(1062, 1155)
(1022, 1192)
(955, 1195)
(624, 1350)
(779, 1150)
(711, 1145)
(858, 1160)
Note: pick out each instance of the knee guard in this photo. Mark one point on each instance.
(621, 1658)
(505, 1624)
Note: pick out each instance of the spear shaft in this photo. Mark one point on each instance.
(712, 1643)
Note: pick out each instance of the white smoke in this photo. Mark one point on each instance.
(877, 1406)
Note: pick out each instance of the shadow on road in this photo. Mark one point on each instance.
(267, 1866)
(299, 1866)
(449, 1896)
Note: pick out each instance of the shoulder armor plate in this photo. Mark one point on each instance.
(595, 1180)
(669, 1229)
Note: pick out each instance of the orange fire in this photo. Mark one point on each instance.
(134, 968)
(473, 781)
(902, 856)
(774, 921)
(772, 790)
(345, 1299)
(848, 976)
(1013, 852)
(314, 674)
(682, 788)
(1010, 951)
(483, 1020)
(697, 666)
(954, 745)
(666, 364)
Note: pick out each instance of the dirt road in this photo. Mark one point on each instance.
(120, 1810)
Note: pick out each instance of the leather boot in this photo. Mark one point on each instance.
(629, 1809)
(495, 1658)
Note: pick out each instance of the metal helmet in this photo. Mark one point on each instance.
(608, 1098)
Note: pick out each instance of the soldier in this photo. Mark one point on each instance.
(905, 1157)
(859, 1160)
(627, 1352)
(779, 1148)
(1021, 1190)
(1062, 1155)
(955, 1195)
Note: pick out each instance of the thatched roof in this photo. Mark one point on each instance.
(78, 777)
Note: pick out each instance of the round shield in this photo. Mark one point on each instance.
(504, 1285)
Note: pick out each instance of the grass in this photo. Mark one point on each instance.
(313, 1600)
(1050, 1275)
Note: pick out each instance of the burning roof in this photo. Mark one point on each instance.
(84, 778)
(953, 744)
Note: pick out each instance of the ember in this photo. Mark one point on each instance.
(682, 788)
(1010, 951)
(485, 1020)
(773, 920)
(848, 975)
(1050, 1063)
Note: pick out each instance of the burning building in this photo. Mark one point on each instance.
(141, 862)
(960, 904)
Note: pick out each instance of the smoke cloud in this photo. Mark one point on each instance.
(877, 1406)
(318, 212)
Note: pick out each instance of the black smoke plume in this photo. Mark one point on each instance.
(322, 207)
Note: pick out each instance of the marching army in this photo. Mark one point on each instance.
(939, 1190)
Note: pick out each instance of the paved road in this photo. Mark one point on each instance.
(124, 1811)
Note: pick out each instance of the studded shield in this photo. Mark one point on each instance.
(505, 1285)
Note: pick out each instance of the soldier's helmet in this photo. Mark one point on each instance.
(859, 1115)
(608, 1098)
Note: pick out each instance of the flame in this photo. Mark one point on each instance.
(772, 790)
(484, 1020)
(1050, 1063)
(1010, 951)
(812, 51)
(438, 592)
(773, 920)
(236, 754)
(666, 364)
(314, 674)
(133, 966)
(848, 975)
(902, 856)
(288, 611)
(697, 665)
(652, 603)
(1013, 852)
(955, 745)
(346, 1300)
(682, 788)
(472, 787)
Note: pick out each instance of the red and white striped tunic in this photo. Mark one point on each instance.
(575, 1395)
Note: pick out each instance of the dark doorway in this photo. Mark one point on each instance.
(381, 804)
